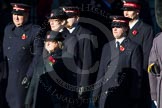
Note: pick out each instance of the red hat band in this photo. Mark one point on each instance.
(134, 5)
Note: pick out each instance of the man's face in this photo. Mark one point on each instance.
(71, 21)
(131, 14)
(118, 32)
(55, 24)
(19, 20)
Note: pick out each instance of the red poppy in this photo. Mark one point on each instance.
(23, 37)
(122, 48)
(51, 59)
(134, 32)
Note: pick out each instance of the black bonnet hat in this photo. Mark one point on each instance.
(54, 36)
(57, 14)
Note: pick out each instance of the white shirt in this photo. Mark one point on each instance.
(71, 30)
(133, 23)
(120, 40)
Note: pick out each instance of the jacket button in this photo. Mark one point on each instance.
(106, 92)
(17, 71)
(8, 59)
(9, 48)
(23, 48)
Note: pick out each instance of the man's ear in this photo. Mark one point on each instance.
(63, 22)
(77, 18)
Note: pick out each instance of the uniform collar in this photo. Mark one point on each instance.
(120, 40)
(131, 25)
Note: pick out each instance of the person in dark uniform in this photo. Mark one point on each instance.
(21, 47)
(57, 19)
(83, 51)
(40, 93)
(142, 34)
(119, 78)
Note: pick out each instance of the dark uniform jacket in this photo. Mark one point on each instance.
(80, 46)
(119, 78)
(142, 34)
(84, 46)
(21, 48)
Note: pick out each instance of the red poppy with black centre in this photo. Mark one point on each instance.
(122, 48)
(134, 32)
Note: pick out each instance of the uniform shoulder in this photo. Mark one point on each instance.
(132, 43)
(36, 26)
(158, 37)
(146, 25)
(10, 24)
(85, 30)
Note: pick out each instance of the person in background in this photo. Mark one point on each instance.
(21, 48)
(142, 34)
(118, 82)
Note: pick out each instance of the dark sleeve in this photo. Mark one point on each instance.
(87, 57)
(147, 44)
(136, 75)
(37, 49)
(101, 73)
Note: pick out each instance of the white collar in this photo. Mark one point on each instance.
(120, 40)
(133, 23)
(72, 29)
(60, 30)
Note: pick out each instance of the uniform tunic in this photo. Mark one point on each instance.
(119, 78)
(21, 48)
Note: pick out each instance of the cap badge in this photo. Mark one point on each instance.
(48, 36)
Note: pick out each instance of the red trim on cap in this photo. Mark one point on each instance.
(124, 21)
(17, 8)
(134, 5)
(71, 11)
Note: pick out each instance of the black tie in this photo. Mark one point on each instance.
(117, 44)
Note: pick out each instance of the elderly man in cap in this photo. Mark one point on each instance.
(21, 47)
(142, 34)
(119, 78)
